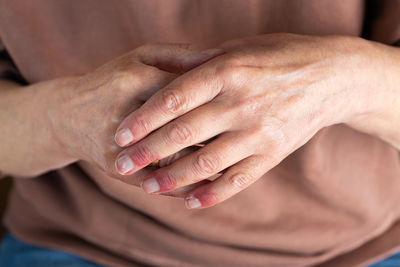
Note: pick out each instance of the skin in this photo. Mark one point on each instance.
(261, 100)
(51, 124)
(255, 101)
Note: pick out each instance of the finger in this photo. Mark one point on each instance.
(194, 127)
(181, 192)
(223, 152)
(135, 180)
(143, 66)
(174, 157)
(176, 58)
(185, 93)
(236, 179)
(140, 82)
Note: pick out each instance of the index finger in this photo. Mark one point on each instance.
(185, 93)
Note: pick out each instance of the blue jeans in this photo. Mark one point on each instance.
(16, 253)
(393, 261)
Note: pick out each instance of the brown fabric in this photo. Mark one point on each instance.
(333, 202)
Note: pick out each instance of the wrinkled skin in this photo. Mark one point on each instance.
(261, 100)
(87, 109)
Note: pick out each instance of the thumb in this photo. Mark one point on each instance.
(175, 58)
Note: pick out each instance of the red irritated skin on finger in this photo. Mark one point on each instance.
(125, 135)
(77, 122)
(260, 101)
(204, 200)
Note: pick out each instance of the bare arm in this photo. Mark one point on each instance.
(384, 122)
(263, 99)
(28, 146)
(50, 124)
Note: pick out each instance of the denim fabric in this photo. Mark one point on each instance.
(393, 261)
(16, 253)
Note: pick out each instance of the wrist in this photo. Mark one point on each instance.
(49, 99)
(356, 75)
(380, 102)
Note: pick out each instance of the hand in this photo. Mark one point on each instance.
(263, 99)
(85, 113)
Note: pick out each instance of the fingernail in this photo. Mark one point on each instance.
(123, 137)
(150, 185)
(192, 202)
(124, 164)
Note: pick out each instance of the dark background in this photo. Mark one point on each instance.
(5, 185)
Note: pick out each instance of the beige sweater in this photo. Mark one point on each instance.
(334, 201)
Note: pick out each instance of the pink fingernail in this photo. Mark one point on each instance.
(150, 185)
(124, 164)
(192, 202)
(123, 137)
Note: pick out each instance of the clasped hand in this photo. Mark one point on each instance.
(253, 105)
(252, 101)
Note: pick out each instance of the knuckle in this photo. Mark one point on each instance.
(141, 52)
(167, 182)
(142, 156)
(147, 71)
(275, 138)
(231, 68)
(179, 133)
(229, 61)
(272, 133)
(123, 79)
(124, 64)
(206, 164)
(143, 48)
(240, 180)
(140, 125)
(248, 105)
(172, 102)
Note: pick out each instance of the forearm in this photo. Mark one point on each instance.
(384, 122)
(28, 146)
